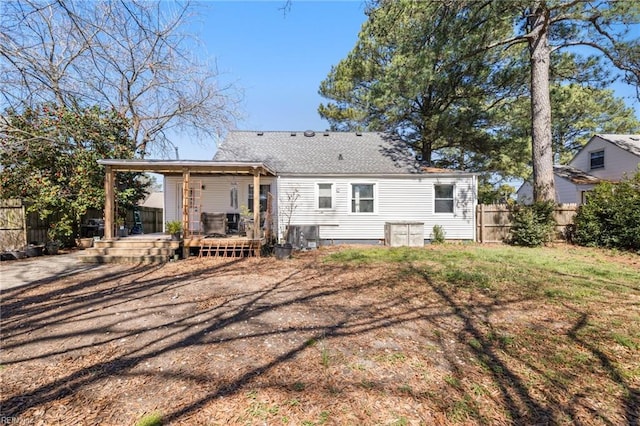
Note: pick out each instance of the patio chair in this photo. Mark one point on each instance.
(214, 224)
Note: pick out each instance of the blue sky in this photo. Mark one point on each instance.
(279, 59)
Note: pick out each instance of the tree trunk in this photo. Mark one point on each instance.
(426, 151)
(541, 144)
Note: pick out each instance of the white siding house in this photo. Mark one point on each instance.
(609, 157)
(348, 184)
(337, 223)
(394, 199)
(604, 157)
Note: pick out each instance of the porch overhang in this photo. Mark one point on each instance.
(194, 166)
(186, 168)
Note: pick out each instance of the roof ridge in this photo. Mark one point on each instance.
(627, 142)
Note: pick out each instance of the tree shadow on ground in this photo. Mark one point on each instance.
(206, 320)
(631, 395)
(521, 405)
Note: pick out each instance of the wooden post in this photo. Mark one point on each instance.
(109, 202)
(256, 203)
(481, 223)
(186, 176)
(24, 223)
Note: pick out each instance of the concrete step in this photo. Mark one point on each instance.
(131, 251)
(106, 258)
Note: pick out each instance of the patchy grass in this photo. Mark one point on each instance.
(448, 334)
(153, 419)
(566, 272)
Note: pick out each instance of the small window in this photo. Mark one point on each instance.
(443, 201)
(597, 159)
(362, 198)
(325, 196)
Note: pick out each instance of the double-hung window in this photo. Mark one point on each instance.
(443, 198)
(325, 196)
(597, 159)
(362, 197)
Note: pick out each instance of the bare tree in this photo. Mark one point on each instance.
(130, 55)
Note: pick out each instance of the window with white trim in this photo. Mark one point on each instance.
(325, 196)
(597, 159)
(362, 198)
(443, 198)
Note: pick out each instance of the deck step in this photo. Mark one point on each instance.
(131, 251)
(139, 249)
(136, 243)
(106, 258)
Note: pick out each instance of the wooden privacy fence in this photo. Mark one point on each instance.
(151, 218)
(18, 228)
(494, 221)
(12, 225)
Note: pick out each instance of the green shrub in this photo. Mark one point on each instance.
(611, 216)
(532, 225)
(437, 234)
(173, 227)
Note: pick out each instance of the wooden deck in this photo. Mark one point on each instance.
(229, 246)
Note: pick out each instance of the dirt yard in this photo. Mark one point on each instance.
(301, 341)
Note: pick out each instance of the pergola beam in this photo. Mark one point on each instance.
(186, 200)
(168, 167)
(109, 202)
(256, 203)
(186, 168)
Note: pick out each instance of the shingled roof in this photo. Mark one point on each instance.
(574, 175)
(317, 153)
(629, 143)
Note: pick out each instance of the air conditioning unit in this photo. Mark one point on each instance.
(304, 237)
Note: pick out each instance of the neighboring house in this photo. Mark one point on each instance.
(349, 184)
(154, 200)
(603, 158)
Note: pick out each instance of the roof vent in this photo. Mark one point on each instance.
(358, 134)
(293, 133)
(309, 133)
(340, 157)
(260, 133)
